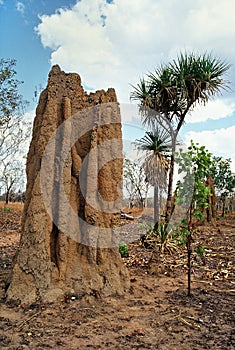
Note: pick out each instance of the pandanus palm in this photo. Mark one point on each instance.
(157, 144)
(174, 89)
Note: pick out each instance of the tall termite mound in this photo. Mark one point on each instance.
(68, 239)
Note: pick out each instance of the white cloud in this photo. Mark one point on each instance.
(29, 116)
(115, 44)
(220, 142)
(20, 7)
(1, 2)
(215, 22)
(215, 109)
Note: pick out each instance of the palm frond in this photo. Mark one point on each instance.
(142, 93)
(157, 141)
(173, 90)
(158, 147)
(199, 77)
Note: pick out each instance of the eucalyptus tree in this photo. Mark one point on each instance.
(14, 128)
(11, 177)
(134, 182)
(173, 90)
(11, 101)
(224, 179)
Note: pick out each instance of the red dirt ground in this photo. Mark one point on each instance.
(155, 314)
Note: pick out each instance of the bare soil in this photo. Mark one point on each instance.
(155, 314)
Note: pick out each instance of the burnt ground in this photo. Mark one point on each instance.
(155, 314)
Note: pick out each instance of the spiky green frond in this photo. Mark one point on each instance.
(173, 89)
(142, 93)
(199, 77)
(158, 141)
(158, 147)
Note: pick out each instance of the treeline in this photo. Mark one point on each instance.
(13, 197)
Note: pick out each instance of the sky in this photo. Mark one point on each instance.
(115, 43)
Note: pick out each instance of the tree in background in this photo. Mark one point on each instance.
(11, 177)
(224, 180)
(14, 129)
(173, 90)
(14, 135)
(11, 102)
(157, 147)
(134, 182)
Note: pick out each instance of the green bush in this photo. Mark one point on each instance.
(123, 250)
(7, 209)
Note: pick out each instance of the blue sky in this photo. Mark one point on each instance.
(114, 43)
(19, 40)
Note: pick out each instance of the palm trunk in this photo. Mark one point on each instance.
(172, 163)
(156, 205)
(170, 189)
(146, 197)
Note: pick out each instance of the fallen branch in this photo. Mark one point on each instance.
(20, 325)
(201, 281)
(225, 290)
(216, 289)
(126, 216)
(194, 326)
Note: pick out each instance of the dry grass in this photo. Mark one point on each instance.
(17, 206)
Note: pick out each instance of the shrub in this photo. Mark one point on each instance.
(123, 250)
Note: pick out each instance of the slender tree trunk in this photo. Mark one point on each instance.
(140, 200)
(223, 207)
(146, 197)
(188, 245)
(8, 192)
(211, 210)
(160, 203)
(170, 189)
(156, 205)
(189, 251)
(7, 197)
(172, 164)
(213, 202)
